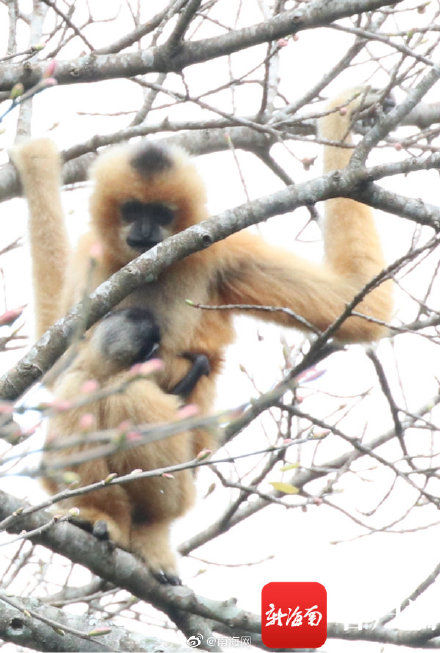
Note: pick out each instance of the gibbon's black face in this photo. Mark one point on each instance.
(148, 223)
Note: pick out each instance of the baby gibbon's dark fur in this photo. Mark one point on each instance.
(157, 191)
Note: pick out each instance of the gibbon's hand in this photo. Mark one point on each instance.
(372, 105)
(200, 367)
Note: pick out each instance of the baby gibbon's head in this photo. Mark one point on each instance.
(126, 336)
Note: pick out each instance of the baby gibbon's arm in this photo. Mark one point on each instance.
(38, 163)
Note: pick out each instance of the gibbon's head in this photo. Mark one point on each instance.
(142, 194)
(126, 336)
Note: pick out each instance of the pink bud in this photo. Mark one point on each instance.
(89, 387)
(50, 81)
(308, 162)
(30, 431)
(96, 251)
(398, 146)
(50, 69)
(343, 111)
(204, 453)
(134, 436)
(147, 368)
(190, 410)
(281, 43)
(61, 405)
(166, 475)
(310, 375)
(86, 422)
(10, 316)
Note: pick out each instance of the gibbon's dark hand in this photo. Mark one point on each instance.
(200, 367)
(368, 116)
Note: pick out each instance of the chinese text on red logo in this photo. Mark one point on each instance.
(294, 615)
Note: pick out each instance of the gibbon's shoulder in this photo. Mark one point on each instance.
(150, 171)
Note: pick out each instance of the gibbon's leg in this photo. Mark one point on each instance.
(158, 501)
(151, 542)
(256, 273)
(155, 501)
(39, 165)
(107, 509)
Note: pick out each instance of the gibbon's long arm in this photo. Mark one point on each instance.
(39, 165)
(257, 273)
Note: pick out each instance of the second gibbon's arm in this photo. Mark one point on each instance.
(263, 275)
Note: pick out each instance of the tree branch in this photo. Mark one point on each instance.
(96, 67)
(21, 625)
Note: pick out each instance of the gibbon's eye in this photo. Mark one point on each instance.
(131, 210)
(162, 214)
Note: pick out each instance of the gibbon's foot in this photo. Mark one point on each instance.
(150, 542)
(162, 575)
(83, 524)
(165, 577)
(104, 529)
(200, 367)
(100, 530)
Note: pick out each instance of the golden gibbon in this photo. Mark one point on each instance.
(141, 194)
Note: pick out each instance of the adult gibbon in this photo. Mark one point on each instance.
(142, 194)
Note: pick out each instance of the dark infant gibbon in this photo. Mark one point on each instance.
(143, 193)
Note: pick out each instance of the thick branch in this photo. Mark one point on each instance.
(93, 67)
(25, 629)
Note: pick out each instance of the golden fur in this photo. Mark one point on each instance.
(241, 269)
